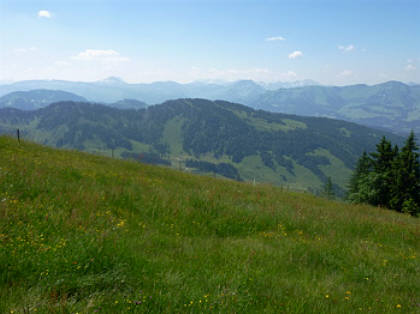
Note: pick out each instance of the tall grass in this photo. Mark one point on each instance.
(82, 233)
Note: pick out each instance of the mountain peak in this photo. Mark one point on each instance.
(113, 80)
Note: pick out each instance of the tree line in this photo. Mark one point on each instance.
(388, 177)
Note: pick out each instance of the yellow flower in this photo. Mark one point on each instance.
(327, 296)
(398, 306)
(348, 292)
(347, 297)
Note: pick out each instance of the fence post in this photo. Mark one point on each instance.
(18, 135)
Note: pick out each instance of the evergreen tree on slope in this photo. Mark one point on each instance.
(383, 175)
(405, 191)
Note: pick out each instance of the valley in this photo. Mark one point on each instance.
(234, 140)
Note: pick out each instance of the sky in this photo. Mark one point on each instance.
(334, 42)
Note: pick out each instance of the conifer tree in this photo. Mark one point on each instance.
(363, 167)
(382, 162)
(328, 189)
(389, 178)
(405, 191)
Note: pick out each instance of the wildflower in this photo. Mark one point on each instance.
(347, 298)
(398, 306)
(348, 292)
(327, 296)
(116, 302)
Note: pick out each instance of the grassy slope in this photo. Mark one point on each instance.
(80, 232)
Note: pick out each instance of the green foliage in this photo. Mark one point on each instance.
(392, 105)
(405, 190)
(216, 132)
(224, 169)
(149, 158)
(389, 178)
(36, 98)
(84, 233)
(328, 189)
(362, 169)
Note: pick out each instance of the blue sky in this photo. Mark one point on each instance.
(333, 42)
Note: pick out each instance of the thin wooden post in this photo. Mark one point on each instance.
(18, 135)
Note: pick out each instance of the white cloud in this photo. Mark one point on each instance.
(346, 73)
(410, 67)
(24, 50)
(100, 55)
(61, 63)
(44, 13)
(290, 74)
(275, 38)
(295, 54)
(92, 53)
(346, 48)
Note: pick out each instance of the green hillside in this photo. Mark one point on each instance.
(37, 98)
(81, 233)
(217, 137)
(392, 105)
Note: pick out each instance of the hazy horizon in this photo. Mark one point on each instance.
(330, 42)
(206, 80)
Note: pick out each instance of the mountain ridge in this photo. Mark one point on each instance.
(391, 105)
(37, 98)
(276, 148)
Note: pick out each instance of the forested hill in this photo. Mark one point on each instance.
(207, 136)
(392, 105)
(37, 98)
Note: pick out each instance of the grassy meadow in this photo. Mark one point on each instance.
(81, 233)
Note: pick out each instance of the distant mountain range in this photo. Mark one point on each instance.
(393, 106)
(37, 98)
(206, 136)
(40, 98)
(113, 89)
